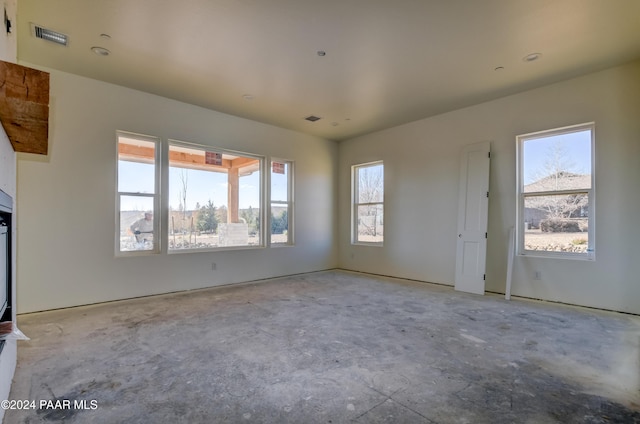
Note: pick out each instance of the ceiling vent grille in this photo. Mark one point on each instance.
(49, 35)
(312, 118)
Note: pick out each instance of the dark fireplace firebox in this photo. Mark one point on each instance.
(6, 207)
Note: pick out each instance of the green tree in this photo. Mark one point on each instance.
(279, 224)
(207, 219)
(221, 214)
(251, 218)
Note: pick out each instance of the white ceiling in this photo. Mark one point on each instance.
(386, 63)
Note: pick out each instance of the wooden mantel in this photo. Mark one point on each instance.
(24, 107)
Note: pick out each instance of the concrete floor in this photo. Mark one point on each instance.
(330, 347)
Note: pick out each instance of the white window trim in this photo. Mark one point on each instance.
(157, 216)
(590, 254)
(290, 202)
(355, 204)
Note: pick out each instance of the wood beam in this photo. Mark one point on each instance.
(145, 154)
(24, 107)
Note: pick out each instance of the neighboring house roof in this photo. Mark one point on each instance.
(562, 180)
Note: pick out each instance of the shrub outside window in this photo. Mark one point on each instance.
(368, 203)
(138, 194)
(556, 192)
(215, 198)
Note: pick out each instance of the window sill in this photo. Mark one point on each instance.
(590, 257)
(364, 243)
(215, 249)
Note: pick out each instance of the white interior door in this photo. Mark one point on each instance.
(473, 211)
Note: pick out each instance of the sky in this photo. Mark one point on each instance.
(202, 186)
(576, 148)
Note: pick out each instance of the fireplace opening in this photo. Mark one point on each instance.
(6, 208)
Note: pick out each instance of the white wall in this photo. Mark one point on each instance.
(67, 199)
(8, 48)
(421, 191)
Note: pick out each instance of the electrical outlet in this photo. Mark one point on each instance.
(537, 275)
(213, 266)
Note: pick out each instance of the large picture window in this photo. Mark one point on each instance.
(138, 196)
(556, 192)
(281, 202)
(215, 198)
(368, 203)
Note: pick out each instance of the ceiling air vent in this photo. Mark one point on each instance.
(49, 35)
(312, 118)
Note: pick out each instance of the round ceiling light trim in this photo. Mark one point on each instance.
(100, 51)
(322, 53)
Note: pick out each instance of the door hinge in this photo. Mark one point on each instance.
(485, 235)
(487, 194)
(489, 155)
(484, 277)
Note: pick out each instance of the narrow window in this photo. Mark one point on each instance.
(556, 192)
(281, 202)
(138, 196)
(368, 203)
(215, 198)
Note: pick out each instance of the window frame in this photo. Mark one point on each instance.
(156, 195)
(522, 196)
(355, 195)
(289, 202)
(261, 201)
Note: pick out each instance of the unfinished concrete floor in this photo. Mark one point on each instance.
(330, 347)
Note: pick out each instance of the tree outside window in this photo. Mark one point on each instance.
(368, 203)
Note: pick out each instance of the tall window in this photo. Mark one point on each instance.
(281, 202)
(368, 203)
(215, 198)
(556, 192)
(138, 196)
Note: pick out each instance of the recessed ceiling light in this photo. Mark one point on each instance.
(322, 53)
(499, 68)
(100, 51)
(334, 124)
(248, 96)
(105, 36)
(531, 57)
(312, 118)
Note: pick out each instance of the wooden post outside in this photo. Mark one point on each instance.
(232, 193)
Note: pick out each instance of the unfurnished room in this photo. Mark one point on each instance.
(286, 211)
